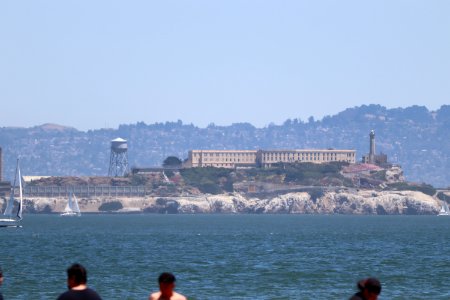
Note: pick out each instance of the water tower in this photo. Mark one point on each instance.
(118, 160)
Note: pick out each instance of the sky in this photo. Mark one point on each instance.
(99, 64)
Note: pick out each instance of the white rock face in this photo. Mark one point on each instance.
(394, 174)
(371, 202)
(342, 202)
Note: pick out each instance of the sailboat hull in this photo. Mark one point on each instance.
(70, 214)
(9, 223)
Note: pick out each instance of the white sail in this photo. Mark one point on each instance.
(19, 211)
(10, 220)
(76, 208)
(71, 208)
(68, 208)
(444, 210)
(9, 204)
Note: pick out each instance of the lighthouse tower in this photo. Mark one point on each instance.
(372, 147)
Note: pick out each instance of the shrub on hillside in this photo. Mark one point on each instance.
(138, 179)
(209, 180)
(404, 186)
(110, 206)
(316, 194)
(304, 173)
(210, 188)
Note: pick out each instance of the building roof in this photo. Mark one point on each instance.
(33, 178)
(118, 140)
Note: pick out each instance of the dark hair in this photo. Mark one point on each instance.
(78, 273)
(1, 272)
(371, 284)
(166, 278)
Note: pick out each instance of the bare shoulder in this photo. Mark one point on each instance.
(177, 296)
(155, 296)
(158, 296)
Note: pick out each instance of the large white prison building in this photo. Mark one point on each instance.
(264, 158)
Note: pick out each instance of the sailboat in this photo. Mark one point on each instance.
(72, 208)
(8, 219)
(444, 210)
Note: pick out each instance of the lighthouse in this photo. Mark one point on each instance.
(372, 147)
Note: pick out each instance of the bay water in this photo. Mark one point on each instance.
(229, 256)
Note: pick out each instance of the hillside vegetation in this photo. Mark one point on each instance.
(414, 137)
(310, 177)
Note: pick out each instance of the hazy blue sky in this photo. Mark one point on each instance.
(93, 64)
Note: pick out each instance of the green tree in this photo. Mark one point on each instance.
(172, 161)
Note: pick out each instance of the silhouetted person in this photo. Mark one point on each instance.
(76, 282)
(369, 289)
(1, 281)
(166, 289)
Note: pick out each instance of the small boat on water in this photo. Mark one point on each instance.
(9, 219)
(72, 209)
(444, 210)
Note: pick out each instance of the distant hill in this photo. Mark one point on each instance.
(414, 137)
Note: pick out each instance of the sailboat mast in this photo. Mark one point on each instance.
(15, 176)
(19, 212)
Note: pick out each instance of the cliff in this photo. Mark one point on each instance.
(340, 202)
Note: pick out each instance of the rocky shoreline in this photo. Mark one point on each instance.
(358, 202)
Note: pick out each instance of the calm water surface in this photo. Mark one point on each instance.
(230, 256)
